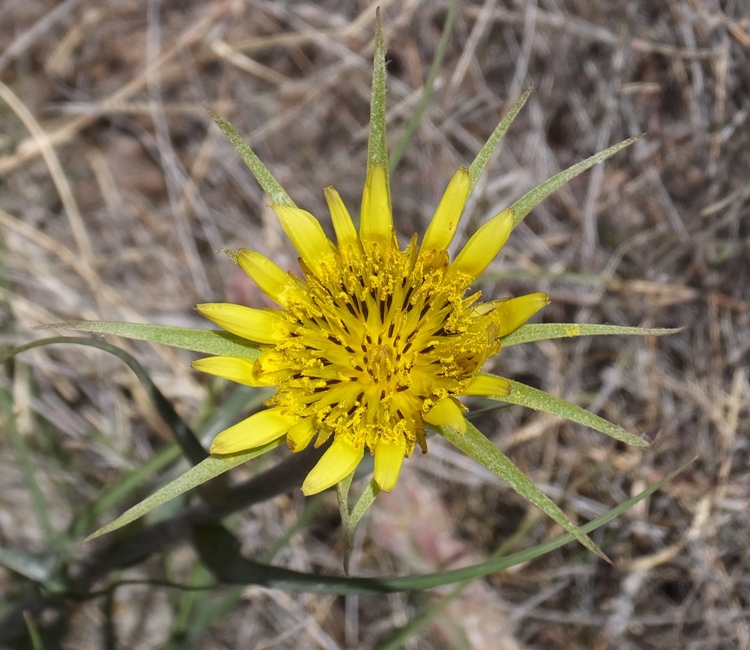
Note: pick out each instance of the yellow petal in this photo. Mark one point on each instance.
(271, 361)
(307, 235)
(270, 278)
(388, 459)
(346, 233)
(300, 435)
(443, 225)
(487, 386)
(257, 430)
(242, 371)
(511, 314)
(376, 224)
(484, 245)
(339, 460)
(260, 325)
(447, 412)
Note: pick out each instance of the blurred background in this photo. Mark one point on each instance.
(117, 194)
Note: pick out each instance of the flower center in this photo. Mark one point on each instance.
(375, 343)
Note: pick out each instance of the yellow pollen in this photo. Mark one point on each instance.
(376, 339)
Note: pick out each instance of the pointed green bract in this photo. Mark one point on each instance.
(216, 342)
(342, 494)
(249, 572)
(485, 153)
(548, 331)
(377, 148)
(210, 468)
(350, 520)
(528, 202)
(264, 177)
(538, 400)
(366, 499)
(476, 445)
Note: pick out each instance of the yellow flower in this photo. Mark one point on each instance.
(373, 342)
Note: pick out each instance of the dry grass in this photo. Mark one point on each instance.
(116, 193)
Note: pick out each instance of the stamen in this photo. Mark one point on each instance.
(368, 381)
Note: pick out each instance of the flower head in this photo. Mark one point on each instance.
(372, 342)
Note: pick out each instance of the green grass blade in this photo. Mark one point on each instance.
(265, 178)
(485, 153)
(209, 607)
(200, 610)
(377, 147)
(183, 434)
(429, 85)
(548, 331)
(212, 612)
(477, 446)
(528, 202)
(241, 400)
(37, 643)
(538, 400)
(401, 635)
(29, 471)
(211, 467)
(36, 567)
(250, 572)
(217, 342)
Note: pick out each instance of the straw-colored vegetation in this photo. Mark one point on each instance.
(117, 192)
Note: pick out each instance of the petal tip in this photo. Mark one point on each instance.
(388, 460)
(338, 461)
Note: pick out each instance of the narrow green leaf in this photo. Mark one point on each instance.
(548, 331)
(485, 153)
(28, 468)
(215, 342)
(434, 608)
(199, 609)
(366, 499)
(218, 549)
(189, 443)
(429, 84)
(264, 177)
(528, 202)
(210, 468)
(37, 643)
(248, 572)
(342, 495)
(476, 445)
(377, 148)
(532, 398)
(38, 568)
